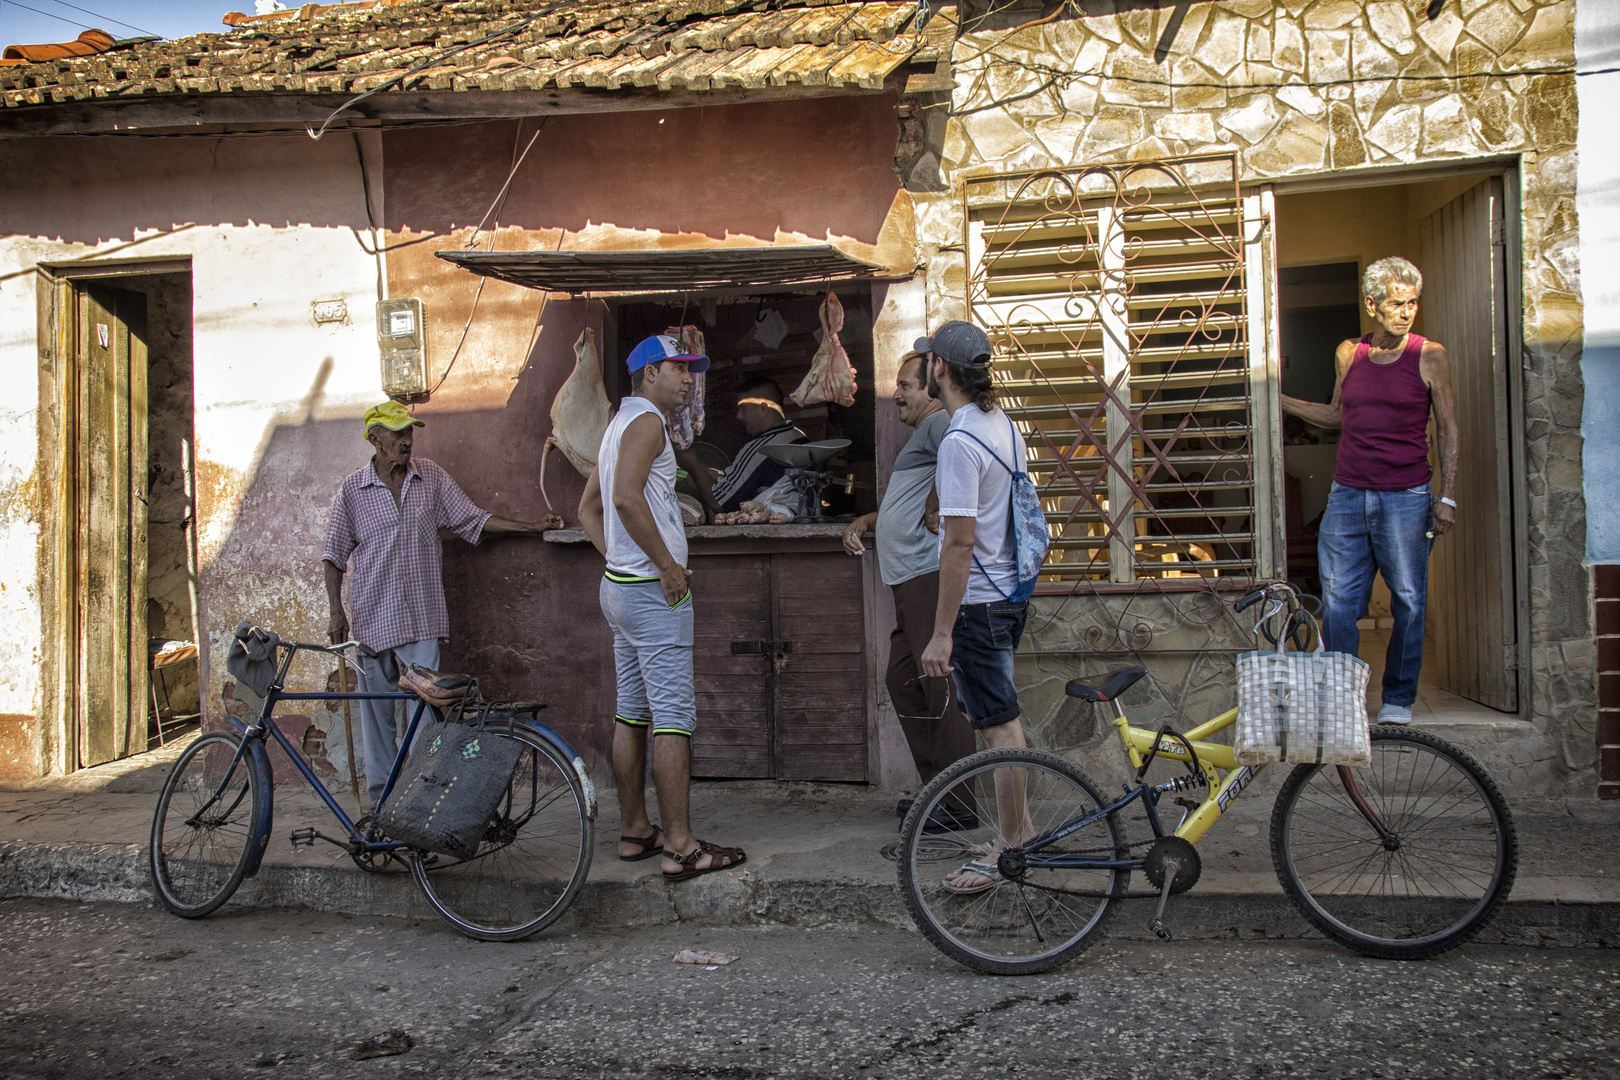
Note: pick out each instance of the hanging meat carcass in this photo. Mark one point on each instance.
(686, 419)
(579, 414)
(831, 377)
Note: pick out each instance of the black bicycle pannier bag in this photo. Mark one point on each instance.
(451, 789)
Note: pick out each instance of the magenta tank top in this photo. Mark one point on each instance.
(1385, 440)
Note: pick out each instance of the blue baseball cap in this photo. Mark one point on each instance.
(662, 347)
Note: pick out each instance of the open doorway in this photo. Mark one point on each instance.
(1452, 229)
(128, 558)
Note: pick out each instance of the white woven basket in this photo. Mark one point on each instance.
(1302, 707)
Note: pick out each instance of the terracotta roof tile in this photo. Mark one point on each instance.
(694, 45)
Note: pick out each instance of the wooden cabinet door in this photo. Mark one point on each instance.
(731, 600)
(820, 685)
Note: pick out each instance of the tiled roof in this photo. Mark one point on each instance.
(693, 45)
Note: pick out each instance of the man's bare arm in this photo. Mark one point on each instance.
(337, 627)
(642, 442)
(955, 562)
(1330, 415)
(590, 512)
(1434, 364)
(499, 526)
(688, 460)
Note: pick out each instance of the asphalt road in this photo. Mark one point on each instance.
(114, 990)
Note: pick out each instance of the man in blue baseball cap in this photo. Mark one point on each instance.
(630, 513)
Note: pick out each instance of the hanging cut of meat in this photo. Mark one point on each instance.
(579, 414)
(686, 419)
(831, 377)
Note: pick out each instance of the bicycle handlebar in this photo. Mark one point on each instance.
(1266, 590)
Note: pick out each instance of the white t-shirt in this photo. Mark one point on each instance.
(973, 484)
(623, 554)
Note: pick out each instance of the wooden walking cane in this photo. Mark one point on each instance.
(348, 732)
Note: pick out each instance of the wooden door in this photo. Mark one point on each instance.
(731, 598)
(820, 685)
(110, 499)
(1462, 253)
(780, 666)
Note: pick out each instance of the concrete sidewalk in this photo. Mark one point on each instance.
(815, 857)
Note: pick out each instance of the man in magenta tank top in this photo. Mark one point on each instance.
(1382, 515)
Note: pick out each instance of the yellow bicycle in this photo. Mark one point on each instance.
(1404, 859)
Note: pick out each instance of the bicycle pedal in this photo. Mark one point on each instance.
(303, 836)
(1160, 929)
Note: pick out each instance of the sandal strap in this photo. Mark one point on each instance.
(732, 856)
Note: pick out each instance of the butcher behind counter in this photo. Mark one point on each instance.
(751, 476)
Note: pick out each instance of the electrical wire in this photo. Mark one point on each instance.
(108, 18)
(495, 209)
(430, 62)
(48, 15)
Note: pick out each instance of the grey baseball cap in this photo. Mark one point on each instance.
(957, 342)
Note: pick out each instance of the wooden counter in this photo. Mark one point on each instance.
(782, 628)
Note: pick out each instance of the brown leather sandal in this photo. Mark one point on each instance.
(689, 867)
(650, 845)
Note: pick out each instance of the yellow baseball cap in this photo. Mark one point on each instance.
(391, 415)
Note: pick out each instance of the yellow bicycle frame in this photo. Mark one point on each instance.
(1214, 758)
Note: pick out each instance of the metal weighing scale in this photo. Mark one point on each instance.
(807, 470)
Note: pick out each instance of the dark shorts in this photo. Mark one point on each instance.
(982, 646)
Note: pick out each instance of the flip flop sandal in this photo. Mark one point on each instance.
(650, 845)
(987, 870)
(689, 868)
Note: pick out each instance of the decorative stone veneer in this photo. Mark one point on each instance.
(1363, 85)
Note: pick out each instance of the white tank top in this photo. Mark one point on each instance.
(623, 555)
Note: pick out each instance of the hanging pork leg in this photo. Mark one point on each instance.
(579, 414)
(685, 421)
(831, 376)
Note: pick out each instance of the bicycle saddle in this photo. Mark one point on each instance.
(1113, 685)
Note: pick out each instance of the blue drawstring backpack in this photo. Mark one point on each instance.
(1026, 523)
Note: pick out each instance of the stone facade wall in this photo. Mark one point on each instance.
(1363, 85)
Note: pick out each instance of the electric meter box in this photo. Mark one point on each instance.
(403, 344)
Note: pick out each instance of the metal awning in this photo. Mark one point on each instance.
(689, 270)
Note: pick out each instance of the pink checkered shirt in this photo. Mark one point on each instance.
(396, 586)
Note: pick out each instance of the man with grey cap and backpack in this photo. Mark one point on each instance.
(992, 540)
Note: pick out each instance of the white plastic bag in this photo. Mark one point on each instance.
(1301, 707)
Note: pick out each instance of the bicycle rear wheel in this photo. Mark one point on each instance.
(1446, 867)
(202, 833)
(1044, 916)
(534, 856)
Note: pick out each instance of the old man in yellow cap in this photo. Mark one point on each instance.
(387, 518)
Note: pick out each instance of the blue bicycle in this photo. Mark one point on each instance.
(215, 813)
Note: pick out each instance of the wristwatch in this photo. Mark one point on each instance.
(1448, 501)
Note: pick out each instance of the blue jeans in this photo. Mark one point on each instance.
(983, 642)
(1383, 531)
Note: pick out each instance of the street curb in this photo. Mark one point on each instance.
(118, 873)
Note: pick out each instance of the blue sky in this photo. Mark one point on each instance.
(61, 20)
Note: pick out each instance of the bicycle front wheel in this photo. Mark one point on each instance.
(534, 856)
(981, 807)
(202, 833)
(1445, 866)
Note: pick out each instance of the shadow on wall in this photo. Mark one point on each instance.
(60, 189)
(523, 613)
(818, 167)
